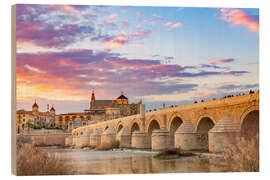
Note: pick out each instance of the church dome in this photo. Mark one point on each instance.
(122, 96)
(35, 105)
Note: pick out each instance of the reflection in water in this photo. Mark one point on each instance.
(130, 162)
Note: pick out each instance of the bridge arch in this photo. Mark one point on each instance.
(205, 123)
(174, 122)
(153, 125)
(105, 128)
(173, 118)
(119, 127)
(201, 117)
(149, 121)
(249, 122)
(135, 125)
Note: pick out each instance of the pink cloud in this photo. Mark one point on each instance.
(74, 72)
(153, 23)
(142, 33)
(65, 8)
(112, 19)
(138, 44)
(224, 60)
(113, 16)
(157, 16)
(108, 50)
(123, 38)
(240, 17)
(168, 24)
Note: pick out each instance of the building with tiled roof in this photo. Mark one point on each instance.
(26, 120)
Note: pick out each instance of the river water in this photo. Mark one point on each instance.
(134, 162)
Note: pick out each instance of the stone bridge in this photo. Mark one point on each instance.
(210, 125)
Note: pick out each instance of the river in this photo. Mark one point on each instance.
(134, 162)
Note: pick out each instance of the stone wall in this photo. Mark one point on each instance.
(47, 139)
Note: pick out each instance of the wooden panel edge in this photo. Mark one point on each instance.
(13, 90)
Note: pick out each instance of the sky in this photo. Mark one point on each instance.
(171, 55)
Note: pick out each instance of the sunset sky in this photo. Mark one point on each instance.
(170, 55)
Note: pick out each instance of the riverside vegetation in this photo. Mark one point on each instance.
(243, 156)
(32, 160)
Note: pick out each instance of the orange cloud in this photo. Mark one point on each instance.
(171, 25)
(114, 42)
(122, 37)
(176, 25)
(240, 17)
(25, 43)
(113, 16)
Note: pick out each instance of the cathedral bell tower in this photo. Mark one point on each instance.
(92, 102)
(35, 108)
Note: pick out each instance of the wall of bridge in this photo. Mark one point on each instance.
(204, 125)
(236, 108)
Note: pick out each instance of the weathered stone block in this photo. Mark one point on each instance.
(224, 133)
(187, 141)
(124, 137)
(95, 138)
(140, 140)
(68, 141)
(108, 136)
(160, 139)
(219, 141)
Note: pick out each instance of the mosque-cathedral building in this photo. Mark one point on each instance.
(100, 110)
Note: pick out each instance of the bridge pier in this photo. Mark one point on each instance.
(140, 140)
(84, 139)
(163, 122)
(142, 116)
(74, 140)
(108, 136)
(69, 141)
(95, 138)
(77, 140)
(224, 133)
(160, 139)
(186, 138)
(124, 138)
